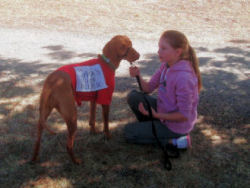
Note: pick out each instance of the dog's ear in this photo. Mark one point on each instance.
(124, 45)
(117, 46)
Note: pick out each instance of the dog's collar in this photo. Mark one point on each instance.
(107, 61)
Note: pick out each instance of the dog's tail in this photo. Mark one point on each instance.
(45, 109)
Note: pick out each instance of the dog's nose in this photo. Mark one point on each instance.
(137, 55)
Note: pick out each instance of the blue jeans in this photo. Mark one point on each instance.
(141, 132)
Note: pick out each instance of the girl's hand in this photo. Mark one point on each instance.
(142, 109)
(134, 71)
(145, 112)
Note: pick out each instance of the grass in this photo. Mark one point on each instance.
(220, 153)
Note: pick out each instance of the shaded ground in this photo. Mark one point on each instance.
(39, 36)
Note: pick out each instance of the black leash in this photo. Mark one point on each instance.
(174, 151)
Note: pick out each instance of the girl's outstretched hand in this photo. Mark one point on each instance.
(134, 71)
(145, 112)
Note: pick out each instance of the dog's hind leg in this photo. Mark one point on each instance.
(67, 109)
(72, 127)
(40, 126)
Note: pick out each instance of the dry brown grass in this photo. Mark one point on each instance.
(220, 153)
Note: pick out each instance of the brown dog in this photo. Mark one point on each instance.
(60, 90)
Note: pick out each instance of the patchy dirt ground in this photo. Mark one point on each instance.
(200, 20)
(39, 36)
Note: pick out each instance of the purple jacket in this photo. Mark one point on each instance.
(177, 91)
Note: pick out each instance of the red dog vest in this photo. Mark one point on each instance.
(102, 96)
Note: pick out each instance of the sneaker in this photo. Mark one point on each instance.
(182, 142)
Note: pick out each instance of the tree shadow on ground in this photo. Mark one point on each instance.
(17, 76)
(225, 98)
(59, 53)
(224, 106)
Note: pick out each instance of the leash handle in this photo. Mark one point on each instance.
(137, 78)
(139, 82)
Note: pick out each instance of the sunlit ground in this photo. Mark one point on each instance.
(37, 37)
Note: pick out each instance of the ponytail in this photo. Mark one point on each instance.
(179, 40)
(195, 64)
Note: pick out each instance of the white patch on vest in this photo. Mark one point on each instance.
(89, 78)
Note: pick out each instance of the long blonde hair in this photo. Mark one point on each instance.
(178, 40)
